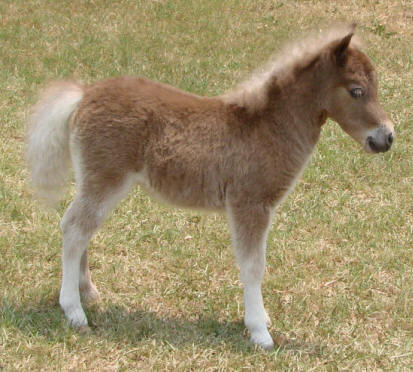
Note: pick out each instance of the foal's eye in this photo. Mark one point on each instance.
(356, 92)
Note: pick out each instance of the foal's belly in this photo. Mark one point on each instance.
(198, 189)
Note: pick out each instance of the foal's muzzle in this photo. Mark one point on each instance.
(379, 140)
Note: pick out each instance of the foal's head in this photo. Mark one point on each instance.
(352, 97)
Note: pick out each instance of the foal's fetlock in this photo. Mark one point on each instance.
(89, 294)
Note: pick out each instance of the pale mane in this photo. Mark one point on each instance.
(283, 66)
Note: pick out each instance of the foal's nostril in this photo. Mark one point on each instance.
(390, 139)
(372, 144)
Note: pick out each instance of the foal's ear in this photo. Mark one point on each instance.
(340, 50)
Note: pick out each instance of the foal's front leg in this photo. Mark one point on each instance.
(249, 227)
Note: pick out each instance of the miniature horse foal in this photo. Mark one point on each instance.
(241, 152)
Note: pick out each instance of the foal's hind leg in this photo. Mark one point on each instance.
(249, 227)
(78, 225)
(80, 221)
(88, 290)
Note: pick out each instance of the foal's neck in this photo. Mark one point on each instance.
(296, 106)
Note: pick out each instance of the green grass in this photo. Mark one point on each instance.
(339, 280)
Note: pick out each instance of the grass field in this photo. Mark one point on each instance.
(339, 279)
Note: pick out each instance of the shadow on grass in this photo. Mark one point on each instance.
(119, 324)
(116, 323)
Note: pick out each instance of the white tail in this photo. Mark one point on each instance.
(48, 151)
